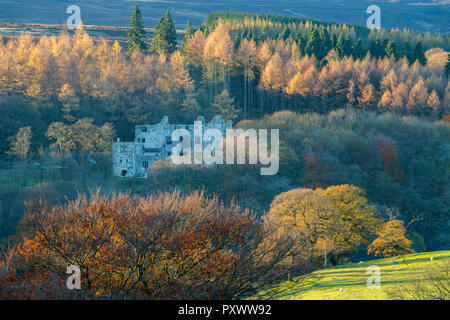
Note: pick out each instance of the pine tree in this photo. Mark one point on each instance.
(419, 54)
(358, 50)
(136, 32)
(390, 49)
(348, 45)
(262, 36)
(376, 49)
(333, 40)
(187, 35)
(325, 40)
(313, 46)
(406, 52)
(190, 103)
(165, 39)
(285, 34)
(300, 42)
(224, 105)
(340, 46)
(171, 35)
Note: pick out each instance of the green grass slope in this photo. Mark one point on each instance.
(352, 278)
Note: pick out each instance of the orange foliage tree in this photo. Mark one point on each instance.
(162, 247)
(389, 156)
(391, 240)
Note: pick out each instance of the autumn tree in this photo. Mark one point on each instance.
(391, 240)
(63, 137)
(367, 100)
(194, 48)
(20, 143)
(246, 57)
(417, 100)
(70, 102)
(433, 104)
(309, 217)
(82, 136)
(390, 158)
(167, 246)
(218, 57)
(358, 219)
(447, 66)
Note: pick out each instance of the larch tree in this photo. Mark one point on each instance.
(272, 76)
(194, 49)
(70, 103)
(367, 100)
(218, 55)
(417, 99)
(433, 104)
(246, 57)
(447, 66)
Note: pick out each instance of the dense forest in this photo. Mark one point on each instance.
(364, 151)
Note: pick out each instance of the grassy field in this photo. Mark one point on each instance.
(9, 184)
(352, 278)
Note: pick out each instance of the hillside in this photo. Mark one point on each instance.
(352, 278)
(416, 15)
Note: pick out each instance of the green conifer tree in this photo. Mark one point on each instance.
(358, 50)
(187, 35)
(390, 49)
(136, 33)
(285, 34)
(313, 46)
(419, 54)
(406, 52)
(340, 46)
(325, 40)
(165, 38)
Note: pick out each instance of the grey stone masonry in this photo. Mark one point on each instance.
(153, 143)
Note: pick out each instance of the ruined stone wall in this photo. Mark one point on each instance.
(153, 143)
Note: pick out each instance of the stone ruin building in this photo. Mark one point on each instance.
(153, 143)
